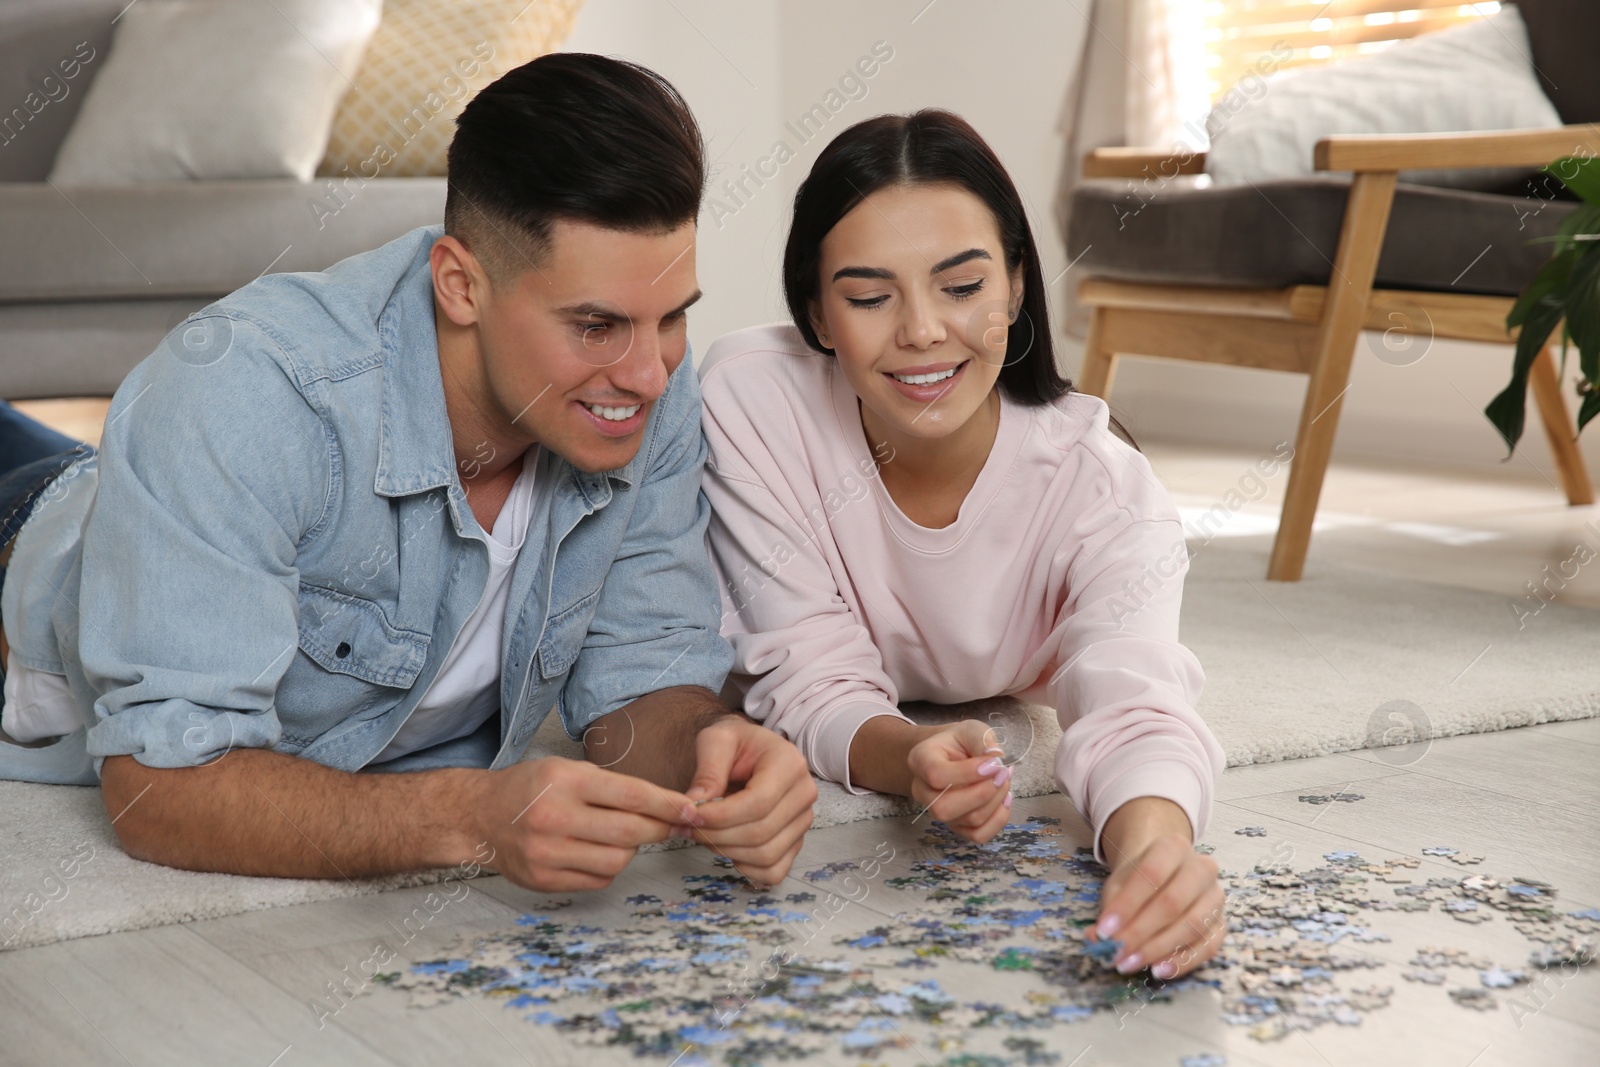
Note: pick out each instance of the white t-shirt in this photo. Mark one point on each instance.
(39, 704)
(465, 692)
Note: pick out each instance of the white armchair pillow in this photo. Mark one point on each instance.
(1470, 78)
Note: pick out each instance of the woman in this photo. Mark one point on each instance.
(910, 503)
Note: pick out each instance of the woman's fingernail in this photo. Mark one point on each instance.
(681, 833)
(1003, 777)
(1130, 964)
(1108, 926)
(1164, 969)
(996, 749)
(1009, 799)
(692, 817)
(990, 766)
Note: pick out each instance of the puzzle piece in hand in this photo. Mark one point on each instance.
(1104, 950)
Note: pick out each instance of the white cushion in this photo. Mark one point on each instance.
(1473, 77)
(217, 89)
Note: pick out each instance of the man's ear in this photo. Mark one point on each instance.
(460, 283)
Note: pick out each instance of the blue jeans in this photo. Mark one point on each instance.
(31, 455)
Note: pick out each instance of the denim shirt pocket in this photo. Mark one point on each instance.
(564, 635)
(348, 635)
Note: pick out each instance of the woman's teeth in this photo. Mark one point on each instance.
(924, 379)
(613, 414)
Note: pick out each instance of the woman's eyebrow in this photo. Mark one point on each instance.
(959, 258)
(884, 274)
(864, 272)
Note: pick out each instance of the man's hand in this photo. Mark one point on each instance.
(1162, 899)
(960, 776)
(767, 792)
(558, 825)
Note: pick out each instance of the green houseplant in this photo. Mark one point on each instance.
(1565, 292)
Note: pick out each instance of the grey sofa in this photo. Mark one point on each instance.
(92, 277)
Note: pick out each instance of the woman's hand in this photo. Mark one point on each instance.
(959, 774)
(1162, 900)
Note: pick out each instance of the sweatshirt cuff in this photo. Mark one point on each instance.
(827, 737)
(1174, 780)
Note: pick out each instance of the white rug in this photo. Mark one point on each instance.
(1347, 658)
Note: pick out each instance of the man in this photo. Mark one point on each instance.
(382, 518)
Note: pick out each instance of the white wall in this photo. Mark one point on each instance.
(707, 49)
(748, 68)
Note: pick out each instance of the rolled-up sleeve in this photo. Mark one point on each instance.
(210, 475)
(655, 626)
(1125, 689)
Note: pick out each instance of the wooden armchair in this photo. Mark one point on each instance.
(1312, 329)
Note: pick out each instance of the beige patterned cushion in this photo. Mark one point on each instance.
(426, 61)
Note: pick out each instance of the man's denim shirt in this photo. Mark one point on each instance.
(273, 550)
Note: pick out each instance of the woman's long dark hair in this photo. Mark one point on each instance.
(925, 148)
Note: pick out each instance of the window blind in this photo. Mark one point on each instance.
(1266, 36)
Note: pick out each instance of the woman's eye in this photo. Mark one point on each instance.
(588, 329)
(961, 292)
(869, 302)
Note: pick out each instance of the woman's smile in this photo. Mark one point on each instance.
(926, 384)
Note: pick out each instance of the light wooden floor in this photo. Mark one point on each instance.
(1495, 530)
(79, 417)
(237, 990)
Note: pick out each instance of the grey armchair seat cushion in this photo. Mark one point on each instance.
(1287, 233)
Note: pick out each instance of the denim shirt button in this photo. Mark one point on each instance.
(343, 650)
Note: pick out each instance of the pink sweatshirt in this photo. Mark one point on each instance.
(1058, 583)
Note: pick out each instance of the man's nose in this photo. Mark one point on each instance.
(643, 370)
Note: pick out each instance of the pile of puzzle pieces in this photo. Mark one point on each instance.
(732, 974)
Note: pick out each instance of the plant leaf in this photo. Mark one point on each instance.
(1582, 306)
(1585, 219)
(1582, 176)
(1589, 408)
(1508, 410)
(1547, 287)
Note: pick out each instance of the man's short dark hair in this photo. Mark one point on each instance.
(570, 136)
